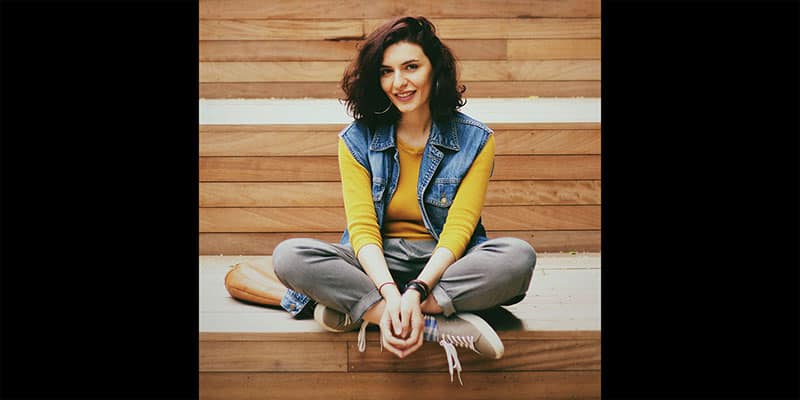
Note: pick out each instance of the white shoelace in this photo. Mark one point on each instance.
(449, 343)
(362, 337)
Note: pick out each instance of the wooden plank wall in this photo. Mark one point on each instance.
(261, 184)
(296, 49)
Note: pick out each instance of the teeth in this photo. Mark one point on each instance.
(405, 94)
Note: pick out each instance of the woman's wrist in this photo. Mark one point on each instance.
(389, 291)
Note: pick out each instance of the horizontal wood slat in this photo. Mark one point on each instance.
(276, 29)
(277, 50)
(332, 219)
(346, 50)
(553, 49)
(335, 9)
(269, 169)
(329, 194)
(510, 28)
(336, 127)
(327, 90)
(272, 356)
(326, 168)
(263, 243)
(332, 71)
(325, 142)
(520, 355)
(378, 385)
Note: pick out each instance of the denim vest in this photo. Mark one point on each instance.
(452, 146)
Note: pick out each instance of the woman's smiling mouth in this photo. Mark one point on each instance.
(406, 96)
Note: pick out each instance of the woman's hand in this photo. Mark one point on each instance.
(391, 326)
(412, 322)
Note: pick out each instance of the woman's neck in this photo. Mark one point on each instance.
(414, 129)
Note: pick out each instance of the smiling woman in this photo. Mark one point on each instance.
(414, 258)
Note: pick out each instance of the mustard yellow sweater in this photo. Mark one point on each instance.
(403, 218)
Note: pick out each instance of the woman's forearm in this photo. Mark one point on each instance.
(371, 258)
(441, 259)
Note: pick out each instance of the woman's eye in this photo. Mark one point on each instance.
(385, 71)
(412, 66)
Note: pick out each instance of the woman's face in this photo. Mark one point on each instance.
(405, 76)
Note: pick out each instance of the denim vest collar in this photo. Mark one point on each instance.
(443, 134)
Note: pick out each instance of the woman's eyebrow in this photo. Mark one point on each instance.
(407, 62)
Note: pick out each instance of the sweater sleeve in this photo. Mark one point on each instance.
(468, 202)
(362, 224)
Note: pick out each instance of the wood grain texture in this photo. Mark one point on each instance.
(326, 168)
(329, 194)
(272, 71)
(553, 49)
(269, 169)
(346, 50)
(315, 142)
(520, 355)
(260, 243)
(505, 89)
(533, 142)
(540, 70)
(322, 356)
(277, 29)
(546, 167)
(269, 143)
(332, 219)
(278, 50)
(328, 90)
(377, 385)
(332, 71)
(385, 9)
(336, 127)
(267, 90)
(511, 28)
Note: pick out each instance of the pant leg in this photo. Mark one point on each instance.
(328, 273)
(495, 272)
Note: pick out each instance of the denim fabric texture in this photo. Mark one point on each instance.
(453, 145)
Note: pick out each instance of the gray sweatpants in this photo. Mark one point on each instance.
(495, 272)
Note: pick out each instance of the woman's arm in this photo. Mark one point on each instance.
(463, 216)
(365, 237)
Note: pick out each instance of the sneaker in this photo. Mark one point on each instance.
(463, 330)
(334, 321)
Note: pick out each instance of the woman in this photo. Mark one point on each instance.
(414, 258)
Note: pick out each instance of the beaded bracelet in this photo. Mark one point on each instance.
(419, 286)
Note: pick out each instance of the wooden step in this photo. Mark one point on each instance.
(552, 342)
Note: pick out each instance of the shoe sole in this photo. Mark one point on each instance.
(487, 332)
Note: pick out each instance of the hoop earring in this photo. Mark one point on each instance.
(384, 111)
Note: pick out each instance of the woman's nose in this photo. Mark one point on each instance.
(399, 80)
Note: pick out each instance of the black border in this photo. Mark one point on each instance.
(700, 199)
(99, 200)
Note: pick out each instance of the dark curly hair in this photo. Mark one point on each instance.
(361, 81)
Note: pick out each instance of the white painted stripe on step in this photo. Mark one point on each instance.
(331, 111)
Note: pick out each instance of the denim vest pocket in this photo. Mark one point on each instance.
(442, 191)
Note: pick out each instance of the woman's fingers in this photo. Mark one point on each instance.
(405, 317)
(387, 327)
